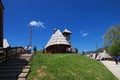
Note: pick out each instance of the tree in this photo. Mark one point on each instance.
(112, 34)
(114, 49)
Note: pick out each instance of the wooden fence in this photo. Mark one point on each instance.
(11, 53)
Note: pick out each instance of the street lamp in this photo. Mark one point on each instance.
(30, 35)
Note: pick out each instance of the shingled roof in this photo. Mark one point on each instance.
(56, 39)
(67, 31)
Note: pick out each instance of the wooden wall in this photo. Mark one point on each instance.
(57, 49)
(1, 24)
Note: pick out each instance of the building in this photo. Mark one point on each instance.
(103, 55)
(58, 42)
(1, 23)
(5, 43)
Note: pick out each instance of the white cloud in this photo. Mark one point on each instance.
(37, 24)
(84, 34)
(81, 32)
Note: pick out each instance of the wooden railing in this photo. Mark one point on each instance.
(2, 54)
(11, 53)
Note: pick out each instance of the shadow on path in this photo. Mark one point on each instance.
(10, 69)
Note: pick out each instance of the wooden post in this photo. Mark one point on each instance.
(1, 23)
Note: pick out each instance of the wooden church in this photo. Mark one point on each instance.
(59, 41)
(1, 23)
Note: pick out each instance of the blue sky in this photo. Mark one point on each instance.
(88, 21)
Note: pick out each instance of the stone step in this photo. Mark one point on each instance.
(14, 73)
(26, 58)
(10, 71)
(21, 78)
(15, 64)
(12, 78)
(27, 55)
(23, 57)
(10, 67)
(9, 75)
(23, 75)
(18, 60)
(27, 67)
(25, 70)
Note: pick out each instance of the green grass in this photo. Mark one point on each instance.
(67, 67)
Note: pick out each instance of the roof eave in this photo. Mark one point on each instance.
(67, 32)
(57, 44)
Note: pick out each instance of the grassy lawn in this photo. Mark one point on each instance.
(67, 67)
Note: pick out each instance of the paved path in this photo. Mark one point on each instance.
(16, 69)
(115, 69)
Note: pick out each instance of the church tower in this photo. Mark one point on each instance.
(66, 33)
(1, 23)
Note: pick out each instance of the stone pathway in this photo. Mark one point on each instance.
(16, 69)
(115, 69)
